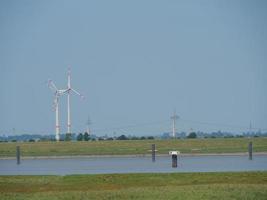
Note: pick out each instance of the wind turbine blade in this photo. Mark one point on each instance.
(51, 85)
(76, 92)
(69, 78)
(55, 102)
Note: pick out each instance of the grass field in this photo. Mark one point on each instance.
(240, 185)
(133, 147)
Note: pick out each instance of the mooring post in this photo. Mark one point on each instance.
(174, 155)
(174, 161)
(18, 154)
(250, 150)
(153, 150)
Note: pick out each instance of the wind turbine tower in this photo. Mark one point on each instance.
(174, 118)
(69, 90)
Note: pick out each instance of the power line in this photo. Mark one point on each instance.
(129, 126)
(221, 124)
(151, 126)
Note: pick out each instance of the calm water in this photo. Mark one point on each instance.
(132, 165)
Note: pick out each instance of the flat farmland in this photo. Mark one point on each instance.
(132, 147)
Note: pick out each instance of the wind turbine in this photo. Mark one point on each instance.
(68, 91)
(57, 94)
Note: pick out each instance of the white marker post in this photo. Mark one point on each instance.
(174, 155)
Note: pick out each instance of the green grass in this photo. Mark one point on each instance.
(133, 147)
(238, 185)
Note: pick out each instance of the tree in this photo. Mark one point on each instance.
(86, 136)
(192, 135)
(122, 137)
(68, 137)
(80, 137)
(134, 138)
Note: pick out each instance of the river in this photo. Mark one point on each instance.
(106, 165)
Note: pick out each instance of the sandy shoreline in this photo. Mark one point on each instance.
(129, 156)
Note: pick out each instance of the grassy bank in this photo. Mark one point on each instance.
(133, 147)
(241, 185)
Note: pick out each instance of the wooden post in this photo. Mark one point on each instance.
(153, 149)
(250, 150)
(18, 154)
(174, 161)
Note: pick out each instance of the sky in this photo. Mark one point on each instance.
(135, 62)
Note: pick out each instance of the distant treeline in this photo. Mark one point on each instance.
(88, 137)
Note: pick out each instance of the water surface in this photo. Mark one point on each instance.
(104, 165)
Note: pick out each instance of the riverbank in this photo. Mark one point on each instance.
(133, 147)
(184, 186)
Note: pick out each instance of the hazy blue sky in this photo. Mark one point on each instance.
(134, 61)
